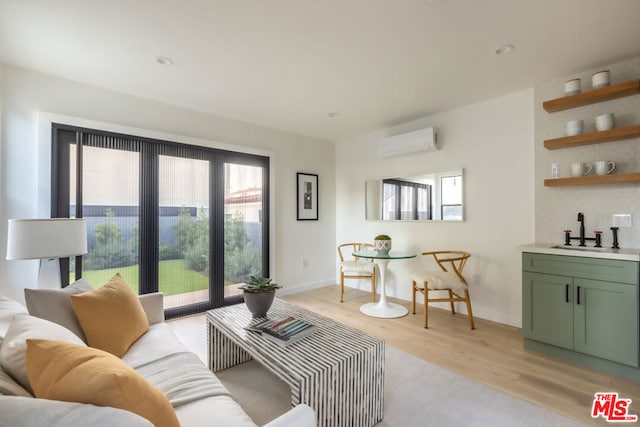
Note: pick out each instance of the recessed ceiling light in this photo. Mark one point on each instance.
(504, 49)
(332, 115)
(163, 60)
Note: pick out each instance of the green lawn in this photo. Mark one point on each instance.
(174, 277)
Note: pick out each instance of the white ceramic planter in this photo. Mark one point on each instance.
(382, 245)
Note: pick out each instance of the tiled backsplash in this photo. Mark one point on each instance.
(557, 207)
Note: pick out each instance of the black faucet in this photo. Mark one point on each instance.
(581, 219)
(615, 238)
(582, 239)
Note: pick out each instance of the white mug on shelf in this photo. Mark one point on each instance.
(605, 122)
(605, 167)
(580, 169)
(571, 87)
(600, 79)
(575, 127)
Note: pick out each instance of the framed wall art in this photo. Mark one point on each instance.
(307, 209)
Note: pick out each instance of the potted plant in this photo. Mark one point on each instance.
(259, 293)
(382, 243)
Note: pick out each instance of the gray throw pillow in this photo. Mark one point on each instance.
(55, 305)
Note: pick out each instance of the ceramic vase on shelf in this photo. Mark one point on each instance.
(382, 243)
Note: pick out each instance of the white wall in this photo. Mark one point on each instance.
(557, 207)
(24, 93)
(493, 142)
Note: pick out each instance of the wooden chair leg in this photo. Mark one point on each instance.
(470, 313)
(453, 307)
(413, 296)
(341, 287)
(426, 305)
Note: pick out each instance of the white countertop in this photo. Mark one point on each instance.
(587, 252)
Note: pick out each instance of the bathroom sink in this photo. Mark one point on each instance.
(579, 248)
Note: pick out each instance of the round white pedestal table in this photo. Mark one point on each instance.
(383, 308)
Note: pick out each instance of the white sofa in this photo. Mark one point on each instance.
(147, 356)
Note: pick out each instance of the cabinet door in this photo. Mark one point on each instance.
(547, 309)
(606, 320)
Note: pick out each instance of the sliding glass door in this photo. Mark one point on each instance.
(183, 243)
(187, 221)
(103, 187)
(244, 244)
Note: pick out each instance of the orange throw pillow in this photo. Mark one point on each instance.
(72, 373)
(111, 317)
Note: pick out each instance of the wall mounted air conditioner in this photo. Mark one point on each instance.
(411, 142)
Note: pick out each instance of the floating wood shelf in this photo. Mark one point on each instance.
(631, 87)
(592, 138)
(594, 179)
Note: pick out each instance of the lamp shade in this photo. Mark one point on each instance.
(46, 238)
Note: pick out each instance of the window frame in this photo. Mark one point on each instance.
(150, 149)
(443, 206)
(413, 187)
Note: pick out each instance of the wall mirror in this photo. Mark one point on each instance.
(435, 196)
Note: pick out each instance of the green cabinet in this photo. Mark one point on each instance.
(585, 305)
(547, 317)
(605, 320)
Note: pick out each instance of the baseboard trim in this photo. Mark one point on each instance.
(306, 287)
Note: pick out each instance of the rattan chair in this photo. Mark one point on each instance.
(356, 268)
(449, 279)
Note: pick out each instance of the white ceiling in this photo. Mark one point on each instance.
(286, 64)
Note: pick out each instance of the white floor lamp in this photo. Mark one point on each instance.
(47, 240)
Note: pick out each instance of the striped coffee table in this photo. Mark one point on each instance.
(338, 371)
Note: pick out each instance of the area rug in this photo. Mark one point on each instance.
(417, 393)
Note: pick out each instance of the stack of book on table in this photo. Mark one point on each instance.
(283, 330)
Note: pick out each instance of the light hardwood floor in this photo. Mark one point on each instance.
(492, 353)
